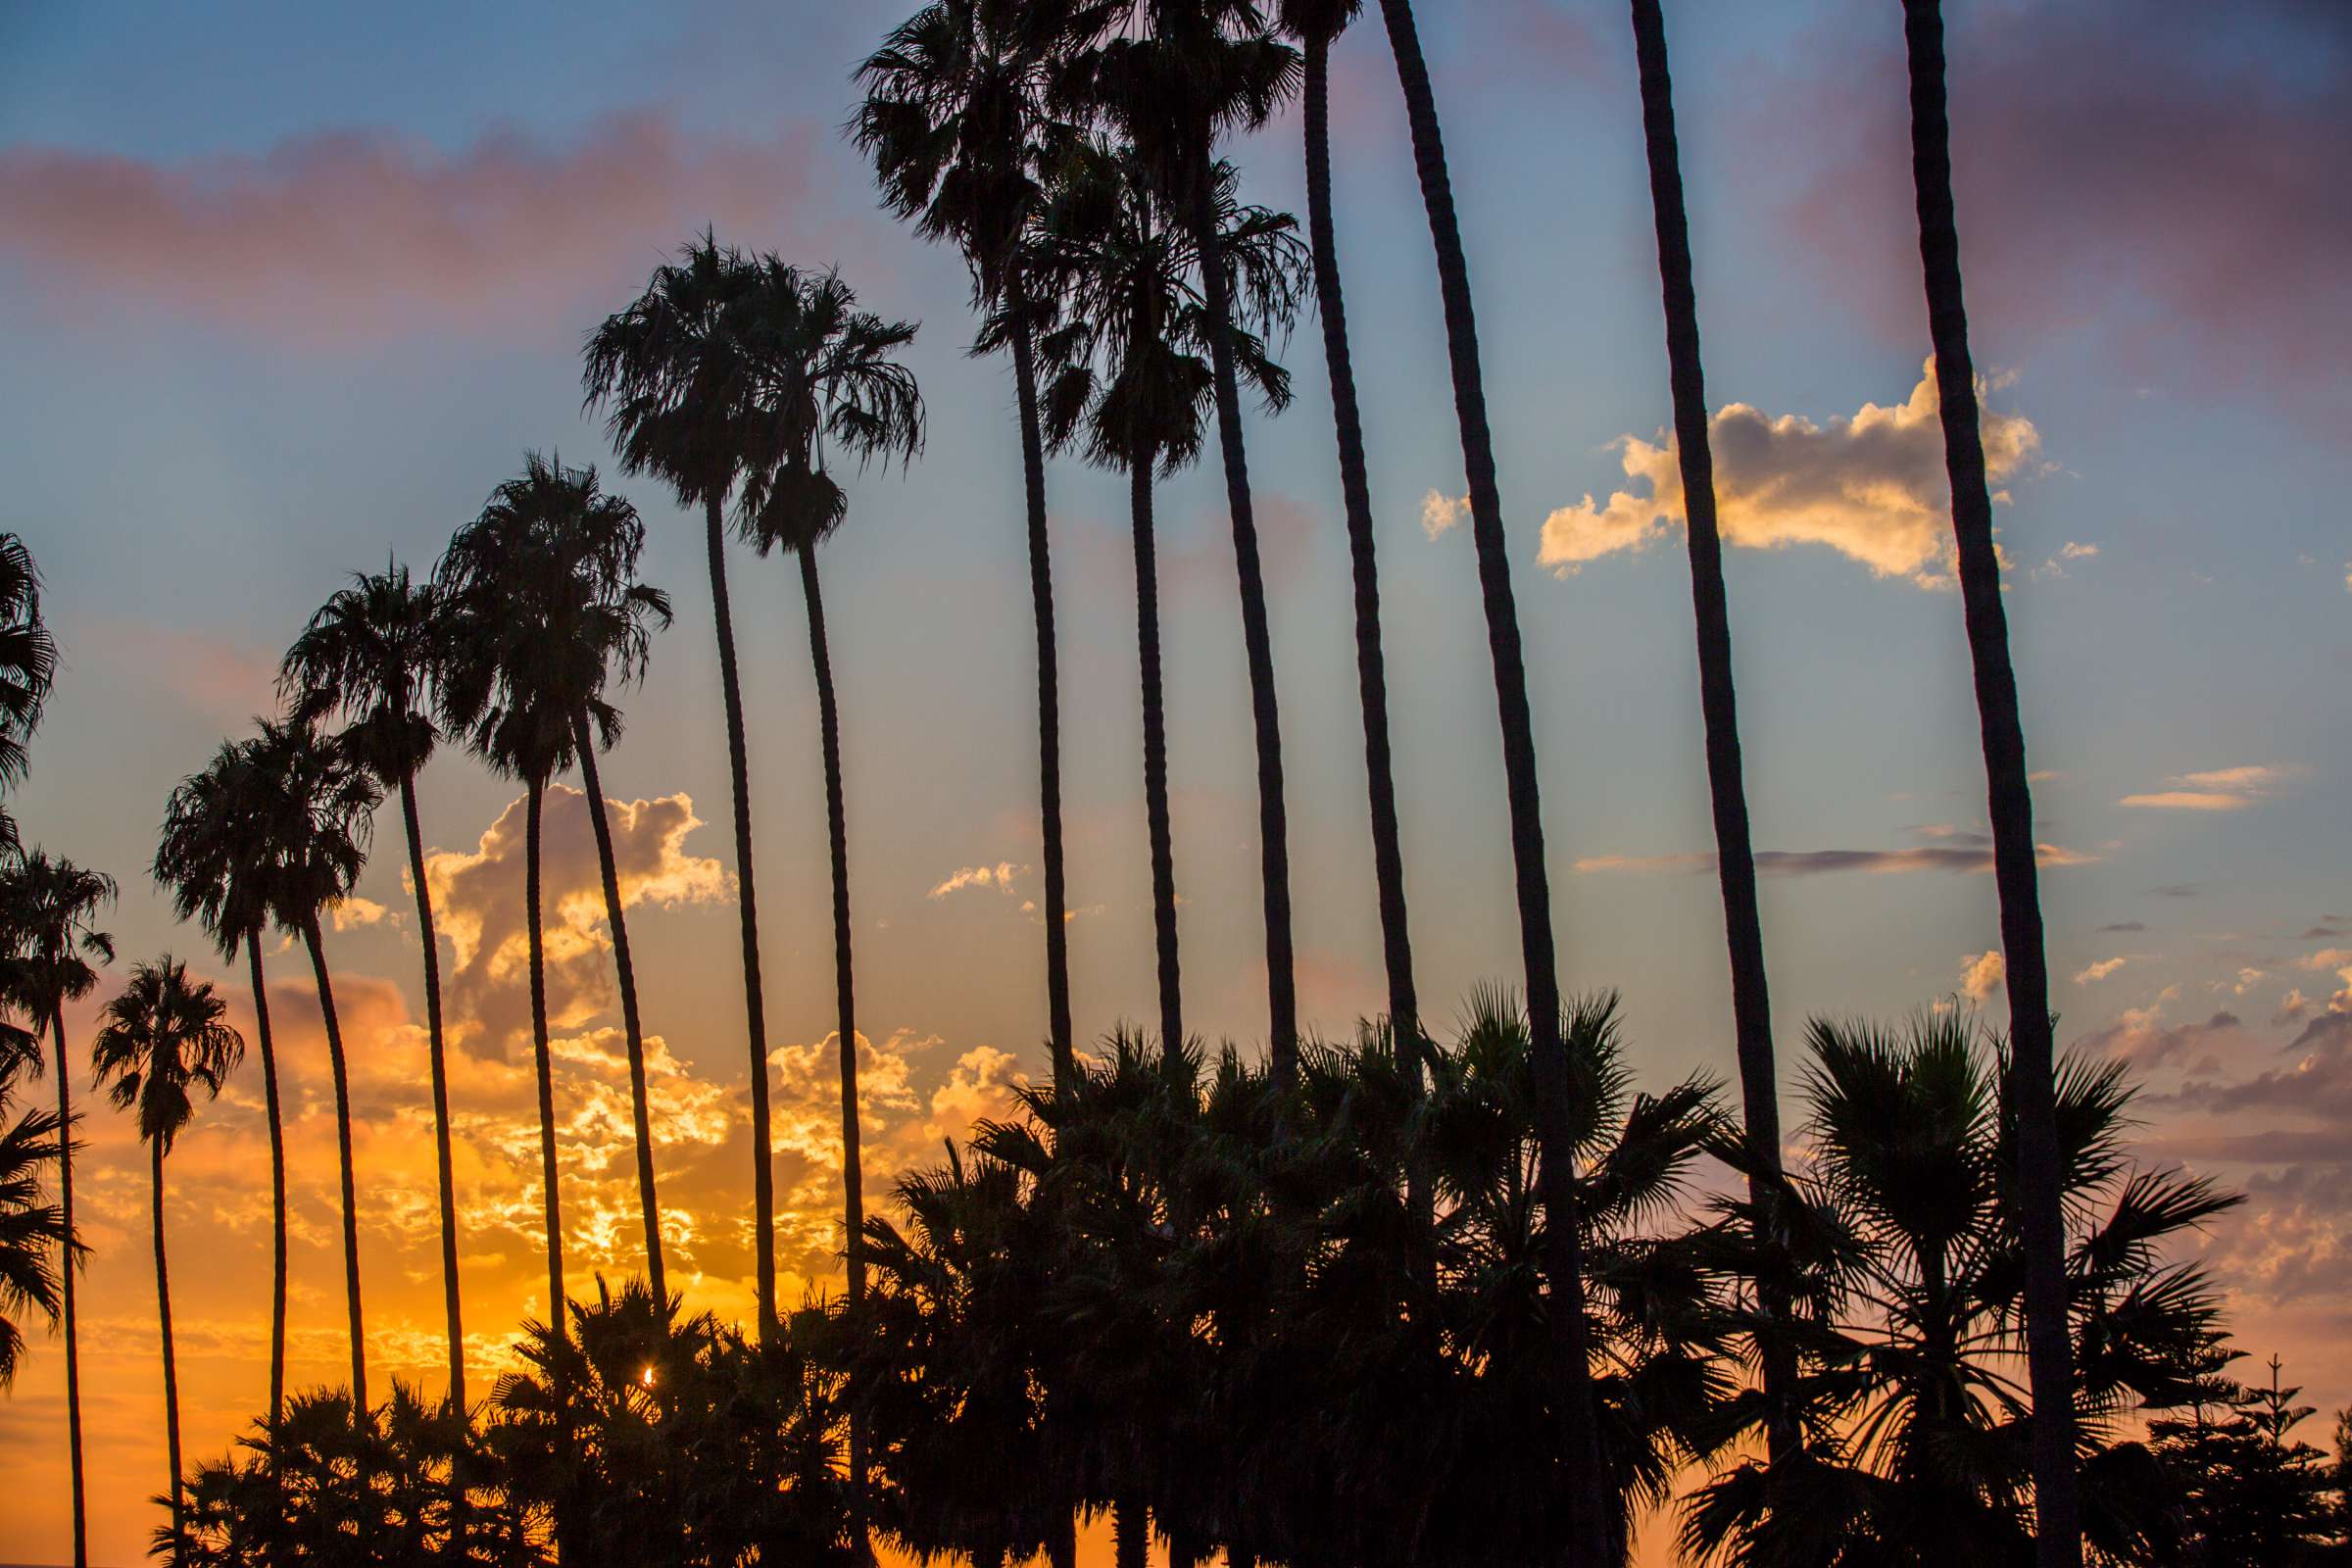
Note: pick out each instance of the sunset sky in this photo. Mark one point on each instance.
(286, 287)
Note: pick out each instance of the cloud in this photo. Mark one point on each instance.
(1982, 975)
(2138, 1036)
(1818, 862)
(354, 911)
(999, 876)
(357, 234)
(1869, 485)
(2124, 927)
(1441, 513)
(2225, 789)
(2099, 970)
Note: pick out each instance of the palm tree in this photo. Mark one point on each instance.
(668, 372)
(1587, 1535)
(162, 1039)
(1173, 76)
(48, 936)
(28, 665)
(31, 1228)
(1735, 861)
(544, 612)
(215, 862)
(314, 813)
(955, 122)
(367, 656)
(2058, 1536)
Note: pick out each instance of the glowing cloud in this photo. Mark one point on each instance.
(2227, 789)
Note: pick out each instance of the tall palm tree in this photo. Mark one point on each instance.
(28, 665)
(31, 1227)
(668, 372)
(163, 1038)
(48, 936)
(956, 124)
(215, 864)
(367, 656)
(1565, 1244)
(545, 611)
(2058, 1531)
(1735, 859)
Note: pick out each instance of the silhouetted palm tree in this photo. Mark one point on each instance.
(367, 656)
(671, 377)
(2058, 1536)
(955, 122)
(48, 936)
(162, 1039)
(214, 858)
(31, 1228)
(28, 665)
(313, 816)
(1586, 1534)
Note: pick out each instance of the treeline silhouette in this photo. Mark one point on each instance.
(1399, 1300)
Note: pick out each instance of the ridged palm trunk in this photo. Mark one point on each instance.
(1591, 1509)
(584, 740)
(1743, 926)
(277, 1183)
(1049, 694)
(350, 1206)
(162, 1312)
(844, 989)
(440, 1070)
(755, 1007)
(1273, 822)
(551, 1201)
(2058, 1532)
(1156, 754)
(1131, 1533)
(66, 1272)
(1356, 493)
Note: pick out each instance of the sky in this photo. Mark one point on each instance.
(288, 288)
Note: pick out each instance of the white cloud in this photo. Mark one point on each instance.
(2223, 789)
(354, 911)
(999, 876)
(1870, 486)
(1440, 512)
(2099, 970)
(1982, 975)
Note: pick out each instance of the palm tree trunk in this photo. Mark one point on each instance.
(277, 1186)
(66, 1272)
(440, 1068)
(844, 989)
(1131, 1533)
(351, 1209)
(551, 1202)
(2058, 1531)
(1062, 1542)
(1273, 823)
(1743, 927)
(162, 1309)
(1049, 692)
(640, 1113)
(1156, 754)
(764, 1196)
(1587, 1530)
(1355, 490)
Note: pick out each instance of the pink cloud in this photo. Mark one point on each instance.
(357, 234)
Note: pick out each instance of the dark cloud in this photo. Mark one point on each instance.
(2124, 927)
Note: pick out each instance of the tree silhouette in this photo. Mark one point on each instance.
(31, 1227)
(28, 666)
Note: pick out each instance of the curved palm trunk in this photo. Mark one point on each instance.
(1049, 694)
(1743, 926)
(440, 1068)
(277, 1185)
(351, 1209)
(2058, 1532)
(65, 1271)
(1273, 822)
(1590, 1510)
(845, 988)
(163, 1310)
(640, 1113)
(754, 1008)
(1155, 754)
(552, 1202)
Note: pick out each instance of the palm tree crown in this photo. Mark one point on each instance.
(367, 656)
(163, 1038)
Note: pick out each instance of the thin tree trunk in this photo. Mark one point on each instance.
(2058, 1532)
(350, 1209)
(1131, 1533)
(764, 1199)
(1743, 926)
(440, 1069)
(277, 1186)
(1273, 822)
(1155, 754)
(844, 989)
(1061, 1542)
(66, 1272)
(1589, 1530)
(1049, 694)
(633, 1031)
(551, 1202)
(163, 1310)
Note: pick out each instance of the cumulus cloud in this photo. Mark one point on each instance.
(1982, 973)
(1869, 485)
(1440, 513)
(2225, 789)
(2099, 970)
(2139, 1036)
(999, 876)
